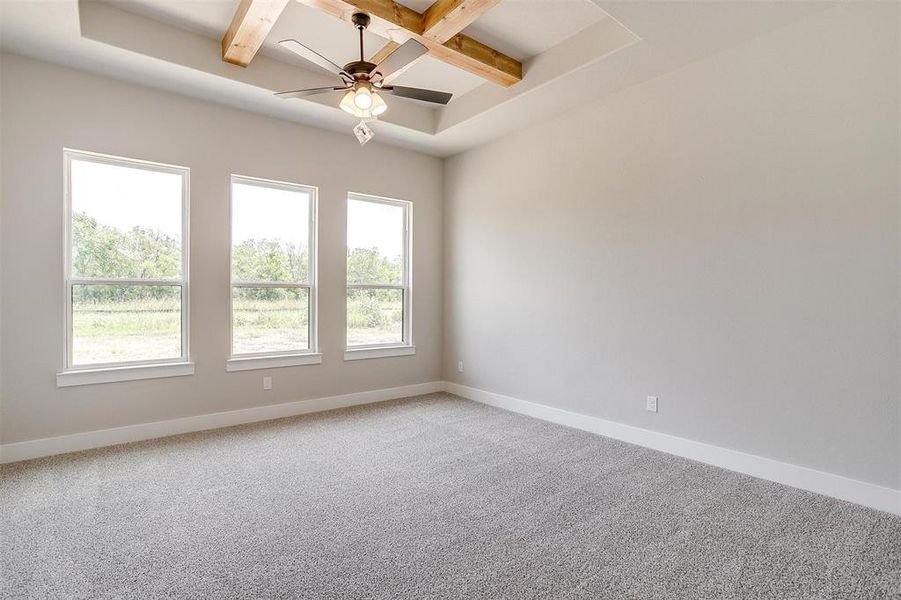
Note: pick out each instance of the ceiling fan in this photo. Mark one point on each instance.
(362, 82)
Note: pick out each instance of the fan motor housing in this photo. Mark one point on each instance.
(359, 69)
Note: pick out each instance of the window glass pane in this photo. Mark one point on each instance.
(126, 222)
(270, 234)
(118, 323)
(375, 242)
(375, 317)
(270, 320)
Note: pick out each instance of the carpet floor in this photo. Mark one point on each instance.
(428, 497)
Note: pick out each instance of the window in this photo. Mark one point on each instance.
(378, 277)
(126, 269)
(273, 273)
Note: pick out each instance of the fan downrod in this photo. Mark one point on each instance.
(360, 69)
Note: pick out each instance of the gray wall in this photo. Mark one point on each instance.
(725, 237)
(46, 108)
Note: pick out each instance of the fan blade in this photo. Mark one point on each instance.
(400, 58)
(314, 57)
(418, 94)
(309, 92)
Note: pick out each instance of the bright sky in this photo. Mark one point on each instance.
(124, 198)
(262, 212)
(375, 225)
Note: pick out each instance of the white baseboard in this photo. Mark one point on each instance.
(145, 431)
(827, 484)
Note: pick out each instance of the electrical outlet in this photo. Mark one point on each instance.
(460, 367)
(267, 383)
(652, 404)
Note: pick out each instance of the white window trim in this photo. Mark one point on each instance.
(391, 349)
(125, 373)
(288, 358)
(126, 370)
(363, 353)
(252, 363)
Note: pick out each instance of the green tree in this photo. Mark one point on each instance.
(270, 260)
(373, 309)
(107, 252)
(367, 265)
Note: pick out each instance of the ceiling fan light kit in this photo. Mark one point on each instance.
(363, 82)
(363, 102)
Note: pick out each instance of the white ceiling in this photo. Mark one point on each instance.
(571, 49)
(519, 28)
(526, 28)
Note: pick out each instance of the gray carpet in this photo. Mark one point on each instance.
(430, 497)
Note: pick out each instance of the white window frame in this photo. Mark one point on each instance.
(125, 370)
(269, 360)
(406, 347)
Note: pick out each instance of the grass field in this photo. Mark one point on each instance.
(114, 331)
(280, 324)
(374, 316)
(126, 331)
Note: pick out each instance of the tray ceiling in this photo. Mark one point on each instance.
(570, 49)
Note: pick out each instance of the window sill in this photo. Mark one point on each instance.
(251, 363)
(385, 352)
(129, 373)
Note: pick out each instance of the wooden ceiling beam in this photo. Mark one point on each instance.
(446, 18)
(251, 24)
(399, 23)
